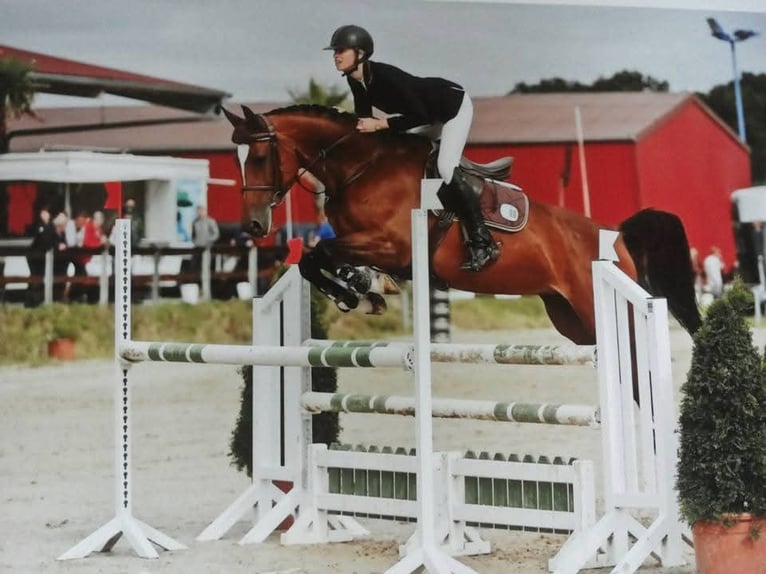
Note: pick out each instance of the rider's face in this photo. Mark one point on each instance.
(344, 59)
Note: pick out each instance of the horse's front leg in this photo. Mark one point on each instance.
(315, 266)
(344, 278)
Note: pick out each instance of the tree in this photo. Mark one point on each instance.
(317, 94)
(721, 100)
(17, 91)
(623, 81)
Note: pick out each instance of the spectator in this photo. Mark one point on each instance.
(697, 270)
(93, 232)
(129, 211)
(205, 233)
(205, 230)
(43, 239)
(323, 231)
(61, 258)
(93, 235)
(74, 237)
(713, 266)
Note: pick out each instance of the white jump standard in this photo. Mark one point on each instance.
(140, 535)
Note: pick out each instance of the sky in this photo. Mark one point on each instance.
(258, 50)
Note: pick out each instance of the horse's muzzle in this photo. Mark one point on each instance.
(257, 229)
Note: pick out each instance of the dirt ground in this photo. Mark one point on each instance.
(56, 452)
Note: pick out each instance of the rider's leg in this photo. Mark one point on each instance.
(461, 198)
(459, 193)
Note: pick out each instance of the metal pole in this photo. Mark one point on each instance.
(583, 167)
(206, 275)
(738, 94)
(48, 278)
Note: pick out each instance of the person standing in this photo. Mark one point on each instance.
(44, 238)
(205, 233)
(713, 266)
(440, 107)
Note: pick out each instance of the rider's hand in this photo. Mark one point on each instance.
(371, 124)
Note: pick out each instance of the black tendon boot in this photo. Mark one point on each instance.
(482, 249)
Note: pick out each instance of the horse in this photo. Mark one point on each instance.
(372, 181)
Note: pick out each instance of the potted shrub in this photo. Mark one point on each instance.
(64, 333)
(722, 456)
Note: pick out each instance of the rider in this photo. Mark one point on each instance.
(416, 101)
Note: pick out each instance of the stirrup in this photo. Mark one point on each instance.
(480, 256)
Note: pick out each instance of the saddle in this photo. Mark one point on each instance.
(505, 206)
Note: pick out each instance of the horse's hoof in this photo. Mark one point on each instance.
(347, 303)
(378, 304)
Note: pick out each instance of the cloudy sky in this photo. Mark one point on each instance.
(260, 49)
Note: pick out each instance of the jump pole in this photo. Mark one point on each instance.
(139, 534)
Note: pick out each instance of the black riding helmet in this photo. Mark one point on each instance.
(351, 36)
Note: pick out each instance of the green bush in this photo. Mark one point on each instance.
(325, 426)
(722, 458)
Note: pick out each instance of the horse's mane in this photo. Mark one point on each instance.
(316, 110)
(348, 121)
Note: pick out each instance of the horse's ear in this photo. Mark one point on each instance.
(234, 119)
(250, 115)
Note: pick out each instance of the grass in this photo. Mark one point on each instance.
(24, 333)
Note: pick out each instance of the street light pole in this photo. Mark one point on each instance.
(738, 36)
(737, 93)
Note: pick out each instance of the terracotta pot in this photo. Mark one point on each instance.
(61, 349)
(739, 548)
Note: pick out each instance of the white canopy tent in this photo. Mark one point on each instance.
(751, 203)
(162, 174)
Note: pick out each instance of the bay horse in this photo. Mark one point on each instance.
(372, 182)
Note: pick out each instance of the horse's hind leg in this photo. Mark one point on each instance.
(568, 322)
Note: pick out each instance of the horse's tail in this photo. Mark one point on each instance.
(658, 245)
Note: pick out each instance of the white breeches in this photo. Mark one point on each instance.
(453, 135)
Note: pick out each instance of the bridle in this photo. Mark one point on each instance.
(277, 186)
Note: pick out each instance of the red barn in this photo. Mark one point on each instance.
(661, 150)
(645, 149)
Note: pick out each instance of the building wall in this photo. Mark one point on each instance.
(552, 174)
(689, 165)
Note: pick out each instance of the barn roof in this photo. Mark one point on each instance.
(140, 129)
(550, 118)
(514, 119)
(65, 77)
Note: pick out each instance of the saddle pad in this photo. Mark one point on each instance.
(504, 206)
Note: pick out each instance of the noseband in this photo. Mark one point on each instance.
(277, 187)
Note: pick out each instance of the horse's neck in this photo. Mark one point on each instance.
(385, 156)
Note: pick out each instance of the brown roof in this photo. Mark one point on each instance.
(140, 129)
(515, 119)
(55, 75)
(547, 118)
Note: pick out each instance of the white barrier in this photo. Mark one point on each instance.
(639, 445)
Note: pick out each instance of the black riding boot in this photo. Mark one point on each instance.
(461, 199)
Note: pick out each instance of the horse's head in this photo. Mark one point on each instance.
(259, 162)
(274, 153)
